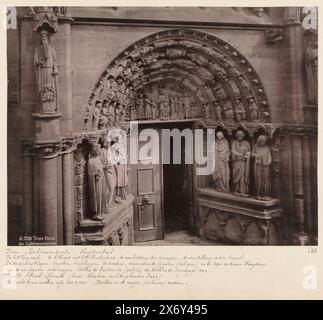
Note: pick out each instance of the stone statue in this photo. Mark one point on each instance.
(207, 112)
(181, 107)
(172, 107)
(133, 113)
(240, 153)
(253, 109)
(228, 110)
(245, 86)
(147, 108)
(46, 73)
(120, 158)
(218, 110)
(97, 184)
(111, 114)
(311, 65)
(154, 110)
(140, 107)
(103, 121)
(96, 115)
(221, 174)
(263, 159)
(240, 110)
(187, 106)
(107, 159)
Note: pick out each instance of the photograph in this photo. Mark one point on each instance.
(162, 126)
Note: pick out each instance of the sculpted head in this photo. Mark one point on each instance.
(240, 135)
(220, 135)
(95, 149)
(261, 141)
(44, 36)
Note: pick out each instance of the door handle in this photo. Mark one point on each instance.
(144, 201)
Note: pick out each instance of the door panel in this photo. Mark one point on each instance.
(148, 214)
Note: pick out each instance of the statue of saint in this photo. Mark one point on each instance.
(154, 110)
(187, 106)
(96, 115)
(110, 173)
(311, 65)
(253, 109)
(228, 111)
(221, 174)
(97, 184)
(240, 110)
(147, 108)
(172, 108)
(263, 159)
(46, 73)
(240, 152)
(120, 158)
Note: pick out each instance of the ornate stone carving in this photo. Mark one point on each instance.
(155, 58)
(46, 73)
(262, 163)
(273, 36)
(221, 174)
(240, 153)
(311, 70)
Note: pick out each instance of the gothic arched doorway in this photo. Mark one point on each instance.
(175, 76)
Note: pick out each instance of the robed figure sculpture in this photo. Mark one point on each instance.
(221, 174)
(240, 153)
(97, 184)
(263, 159)
(46, 73)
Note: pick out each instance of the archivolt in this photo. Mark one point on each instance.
(206, 66)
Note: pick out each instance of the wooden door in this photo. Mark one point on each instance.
(147, 190)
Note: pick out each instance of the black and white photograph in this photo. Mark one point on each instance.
(162, 126)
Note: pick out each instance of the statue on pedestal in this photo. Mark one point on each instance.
(221, 174)
(253, 109)
(46, 73)
(240, 110)
(110, 173)
(97, 184)
(96, 115)
(240, 152)
(263, 159)
(218, 110)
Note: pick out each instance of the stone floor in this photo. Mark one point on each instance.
(178, 238)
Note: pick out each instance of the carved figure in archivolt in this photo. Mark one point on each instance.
(253, 109)
(240, 153)
(120, 158)
(263, 159)
(240, 110)
(218, 110)
(97, 184)
(46, 73)
(221, 174)
(96, 115)
(311, 65)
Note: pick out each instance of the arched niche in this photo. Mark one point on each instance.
(193, 73)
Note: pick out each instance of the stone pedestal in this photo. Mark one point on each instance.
(115, 230)
(232, 219)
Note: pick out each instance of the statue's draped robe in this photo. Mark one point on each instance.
(262, 170)
(240, 165)
(121, 167)
(311, 56)
(97, 186)
(221, 174)
(110, 173)
(45, 67)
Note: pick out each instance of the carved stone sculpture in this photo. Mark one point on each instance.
(221, 174)
(311, 65)
(140, 107)
(147, 108)
(253, 109)
(218, 110)
(110, 173)
(97, 184)
(187, 106)
(46, 73)
(96, 115)
(263, 159)
(120, 158)
(240, 152)
(228, 110)
(240, 110)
